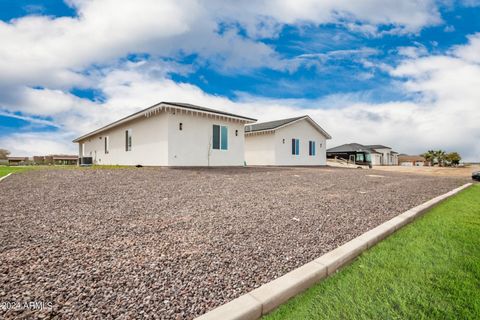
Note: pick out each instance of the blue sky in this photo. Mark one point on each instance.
(71, 66)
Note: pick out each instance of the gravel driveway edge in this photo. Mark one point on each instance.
(264, 299)
(5, 177)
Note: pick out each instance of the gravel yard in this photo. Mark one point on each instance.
(173, 244)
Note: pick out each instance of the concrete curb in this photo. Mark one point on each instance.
(4, 177)
(264, 299)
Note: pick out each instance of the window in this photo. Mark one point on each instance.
(311, 148)
(236, 133)
(295, 147)
(224, 138)
(360, 157)
(128, 140)
(180, 126)
(216, 137)
(220, 137)
(106, 142)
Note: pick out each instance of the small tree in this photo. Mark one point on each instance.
(4, 153)
(453, 158)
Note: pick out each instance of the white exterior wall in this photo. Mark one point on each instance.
(412, 163)
(305, 132)
(260, 149)
(157, 141)
(149, 143)
(388, 158)
(376, 159)
(395, 159)
(191, 145)
(276, 148)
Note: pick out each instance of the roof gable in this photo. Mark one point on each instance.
(277, 124)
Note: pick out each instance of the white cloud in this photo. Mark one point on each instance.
(471, 51)
(342, 54)
(449, 28)
(37, 143)
(446, 115)
(58, 53)
(46, 51)
(408, 15)
(415, 51)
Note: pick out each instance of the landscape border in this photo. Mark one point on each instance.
(260, 301)
(4, 177)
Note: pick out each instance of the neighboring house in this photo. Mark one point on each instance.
(296, 141)
(353, 152)
(39, 160)
(56, 160)
(387, 156)
(15, 161)
(169, 134)
(375, 155)
(409, 161)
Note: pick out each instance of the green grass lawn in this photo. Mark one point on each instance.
(4, 170)
(430, 269)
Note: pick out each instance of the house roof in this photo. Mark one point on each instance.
(351, 147)
(17, 158)
(155, 107)
(64, 157)
(277, 124)
(377, 146)
(406, 157)
(270, 125)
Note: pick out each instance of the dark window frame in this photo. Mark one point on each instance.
(216, 137)
(106, 144)
(128, 140)
(220, 137)
(312, 148)
(295, 147)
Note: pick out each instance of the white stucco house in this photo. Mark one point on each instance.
(169, 134)
(296, 141)
(383, 155)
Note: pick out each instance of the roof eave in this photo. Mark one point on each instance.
(312, 122)
(149, 109)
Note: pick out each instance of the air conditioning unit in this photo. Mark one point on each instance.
(86, 161)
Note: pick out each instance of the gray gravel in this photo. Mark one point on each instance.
(173, 244)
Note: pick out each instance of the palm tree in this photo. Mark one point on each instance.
(440, 157)
(429, 156)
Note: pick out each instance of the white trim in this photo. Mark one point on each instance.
(310, 120)
(5, 177)
(159, 107)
